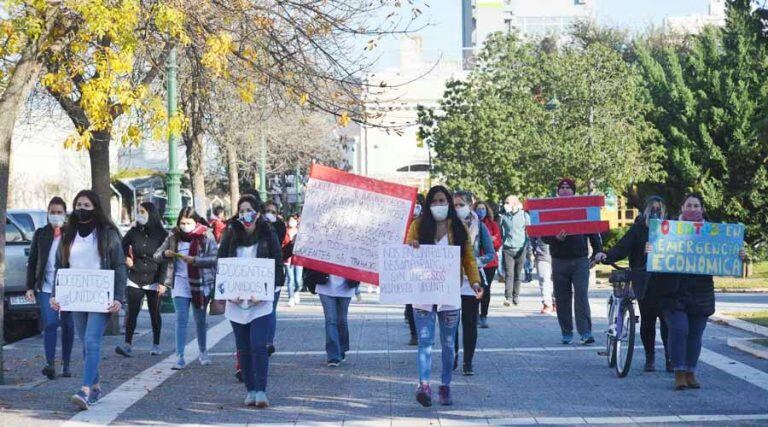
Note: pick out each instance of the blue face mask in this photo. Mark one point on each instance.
(481, 213)
(247, 218)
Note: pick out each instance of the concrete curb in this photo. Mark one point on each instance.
(741, 291)
(746, 345)
(740, 324)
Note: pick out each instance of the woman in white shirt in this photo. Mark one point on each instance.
(249, 235)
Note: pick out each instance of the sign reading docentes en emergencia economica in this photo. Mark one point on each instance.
(695, 247)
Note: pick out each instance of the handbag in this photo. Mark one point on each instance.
(217, 306)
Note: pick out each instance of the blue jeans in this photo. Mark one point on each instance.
(90, 328)
(335, 310)
(272, 320)
(251, 342)
(181, 305)
(685, 332)
(425, 326)
(293, 279)
(52, 319)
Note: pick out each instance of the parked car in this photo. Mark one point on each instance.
(21, 316)
(29, 219)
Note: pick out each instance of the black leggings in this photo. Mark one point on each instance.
(409, 318)
(649, 312)
(469, 309)
(490, 274)
(135, 297)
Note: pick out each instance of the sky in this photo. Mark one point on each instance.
(443, 35)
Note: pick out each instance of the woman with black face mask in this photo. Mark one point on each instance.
(632, 245)
(91, 241)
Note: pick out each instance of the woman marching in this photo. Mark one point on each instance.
(482, 249)
(188, 250)
(485, 214)
(145, 275)
(40, 277)
(248, 235)
(439, 225)
(91, 241)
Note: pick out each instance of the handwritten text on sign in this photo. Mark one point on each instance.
(85, 290)
(430, 274)
(245, 278)
(695, 247)
(344, 225)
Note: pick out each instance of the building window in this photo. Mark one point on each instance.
(419, 167)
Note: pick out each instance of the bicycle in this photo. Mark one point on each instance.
(620, 336)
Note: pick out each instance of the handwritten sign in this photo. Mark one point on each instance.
(346, 218)
(245, 278)
(695, 247)
(574, 215)
(85, 290)
(428, 275)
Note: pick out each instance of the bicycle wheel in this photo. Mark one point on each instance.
(609, 336)
(624, 344)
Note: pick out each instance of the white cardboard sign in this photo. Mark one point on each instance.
(428, 275)
(85, 290)
(245, 278)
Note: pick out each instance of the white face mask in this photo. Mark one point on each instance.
(292, 223)
(463, 212)
(142, 219)
(56, 221)
(440, 213)
(187, 228)
(270, 217)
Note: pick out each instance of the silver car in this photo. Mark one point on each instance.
(21, 316)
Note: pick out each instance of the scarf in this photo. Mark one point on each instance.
(196, 240)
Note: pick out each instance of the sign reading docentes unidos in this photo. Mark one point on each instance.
(85, 290)
(430, 274)
(346, 218)
(695, 247)
(245, 278)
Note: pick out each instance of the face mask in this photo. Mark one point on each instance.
(417, 210)
(440, 213)
(270, 217)
(693, 216)
(84, 215)
(187, 228)
(142, 219)
(510, 208)
(56, 221)
(292, 223)
(655, 213)
(463, 212)
(247, 218)
(481, 213)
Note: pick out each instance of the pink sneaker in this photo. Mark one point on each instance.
(445, 395)
(424, 395)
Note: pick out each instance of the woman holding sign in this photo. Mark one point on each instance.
(189, 250)
(248, 237)
(439, 225)
(91, 242)
(686, 301)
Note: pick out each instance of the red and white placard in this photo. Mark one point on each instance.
(574, 215)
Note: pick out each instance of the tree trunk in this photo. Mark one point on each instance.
(234, 176)
(196, 168)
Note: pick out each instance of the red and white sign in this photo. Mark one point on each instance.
(574, 215)
(346, 217)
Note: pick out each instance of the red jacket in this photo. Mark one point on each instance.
(218, 227)
(495, 231)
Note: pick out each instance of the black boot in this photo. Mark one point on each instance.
(650, 362)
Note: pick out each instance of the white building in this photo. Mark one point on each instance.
(390, 150)
(694, 23)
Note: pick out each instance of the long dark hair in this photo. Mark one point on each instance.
(104, 225)
(188, 212)
(154, 223)
(238, 229)
(428, 225)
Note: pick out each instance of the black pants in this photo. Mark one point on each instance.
(490, 273)
(469, 310)
(135, 297)
(649, 312)
(409, 318)
(513, 268)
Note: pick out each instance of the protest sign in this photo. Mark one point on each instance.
(574, 215)
(245, 278)
(346, 218)
(430, 274)
(695, 247)
(85, 290)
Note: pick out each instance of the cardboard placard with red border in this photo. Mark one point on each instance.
(346, 217)
(574, 215)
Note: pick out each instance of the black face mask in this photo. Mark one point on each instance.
(84, 215)
(655, 213)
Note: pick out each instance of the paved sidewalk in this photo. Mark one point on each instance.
(523, 376)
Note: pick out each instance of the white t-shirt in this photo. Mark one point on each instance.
(50, 266)
(181, 275)
(441, 242)
(246, 311)
(85, 252)
(336, 288)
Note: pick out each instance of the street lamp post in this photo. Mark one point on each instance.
(173, 177)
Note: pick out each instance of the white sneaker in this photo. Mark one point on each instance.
(179, 365)
(204, 359)
(291, 302)
(297, 298)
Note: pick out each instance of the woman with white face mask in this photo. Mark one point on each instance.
(40, 278)
(145, 275)
(190, 251)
